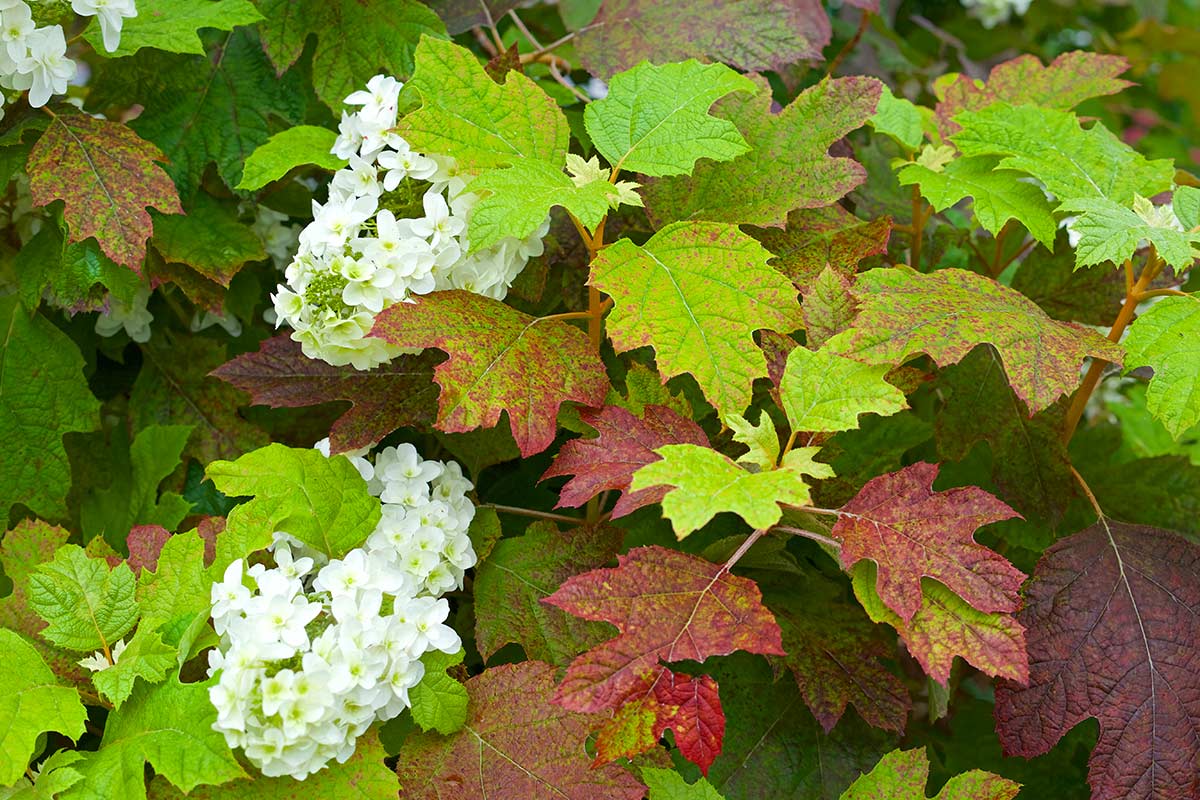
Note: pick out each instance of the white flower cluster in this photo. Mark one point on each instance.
(35, 58)
(394, 225)
(315, 650)
(995, 12)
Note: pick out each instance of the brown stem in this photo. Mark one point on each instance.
(816, 537)
(484, 41)
(529, 512)
(1087, 490)
(567, 315)
(524, 30)
(743, 549)
(1022, 250)
(918, 232)
(848, 48)
(1162, 293)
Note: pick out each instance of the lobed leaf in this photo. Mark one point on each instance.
(286, 150)
(820, 237)
(173, 25)
(439, 702)
(88, 605)
(824, 392)
(902, 775)
(1157, 339)
(146, 657)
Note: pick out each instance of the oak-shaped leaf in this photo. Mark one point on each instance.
(87, 604)
(829, 307)
(945, 314)
(788, 163)
(107, 176)
(1112, 233)
(696, 292)
(517, 744)
(902, 775)
(286, 150)
(654, 119)
(501, 360)
(821, 391)
(1160, 339)
(669, 606)
(522, 570)
(667, 784)
(911, 531)
(178, 590)
(751, 36)
(209, 238)
(146, 656)
(1113, 617)
(32, 701)
(439, 701)
(398, 394)
(819, 237)
(624, 444)
(691, 707)
(173, 25)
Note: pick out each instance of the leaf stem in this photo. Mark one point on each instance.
(816, 537)
(524, 30)
(849, 46)
(1162, 293)
(529, 512)
(567, 315)
(743, 549)
(1087, 490)
(918, 227)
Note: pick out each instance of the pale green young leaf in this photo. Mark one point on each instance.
(439, 702)
(286, 150)
(898, 118)
(803, 461)
(821, 391)
(667, 784)
(1186, 205)
(321, 501)
(178, 589)
(655, 118)
(998, 195)
(1072, 162)
(173, 25)
(55, 775)
(88, 605)
(1164, 338)
(483, 123)
(146, 657)
(762, 439)
(903, 774)
(1112, 232)
(522, 195)
(696, 292)
(168, 725)
(706, 483)
(32, 701)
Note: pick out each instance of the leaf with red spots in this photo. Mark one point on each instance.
(691, 707)
(501, 360)
(902, 775)
(910, 531)
(145, 542)
(945, 314)
(819, 237)
(1114, 633)
(398, 394)
(669, 606)
(516, 745)
(107, 176)
(624, 445)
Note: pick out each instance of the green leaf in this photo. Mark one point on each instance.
(439, 702)
(321, 501)
(1053, 147)
(667, 784)
(283, 152)
(762, 439)
(898, 118)
(696, 292)
(31, 702)
(482, 123)
(707, 483)
(902, 775)
(146, 657)
(43, 394)
(1186, 205)
(168, 725)
(523, 194)
(1112, 232)
(355, 41)
(1163, 338)
(178, 589)
(208, 238)
(75, 275)
(55, 775)
(88, 605)
(998, 194)
(821, 391)
(132, 498)
(655, 119)
(173, 25)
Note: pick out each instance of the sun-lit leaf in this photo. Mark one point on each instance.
(903, 774)
(899, 118)
(821, 391)
(817, 238)
(173, 25)
(669, 606)
(1156, 339)
(1110, 232)
(439, 702)
(88, 605)
(501, 360)
(286, 150)
(178, 588)
(667, 784)
(146, 656)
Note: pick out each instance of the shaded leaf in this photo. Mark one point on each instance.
(1091, 295)
(145, 544)
(829, 307)
(1160, 338)
(286, 150)
(819, 237)
(667, 784)
(71, 275)
(209, 239)
(902, 775)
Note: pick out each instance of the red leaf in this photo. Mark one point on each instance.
(1113, 614)
(669, 606)
(107, 176)
(395, 395)
(145, 542)
(911, 531)
(516, 745)
(625, 444)
(500, 360)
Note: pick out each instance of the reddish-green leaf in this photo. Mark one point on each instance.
(669, 606)
(501, 360)
(945, 314)
(1114, 633)
(398, 394)
(625, 444)
(829, 307)
(818, 237)
(517, 745)
(751, 36)
(145, 542)
(910, 531)
(788, 164)
(902, 775)
(107, 176)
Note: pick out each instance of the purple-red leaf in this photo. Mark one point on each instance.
(624, 445)
(145, 542)
(1113, 617)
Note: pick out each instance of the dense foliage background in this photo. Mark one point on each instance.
(824, 373)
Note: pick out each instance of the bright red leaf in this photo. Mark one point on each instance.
(669, 606)
(625, 444)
